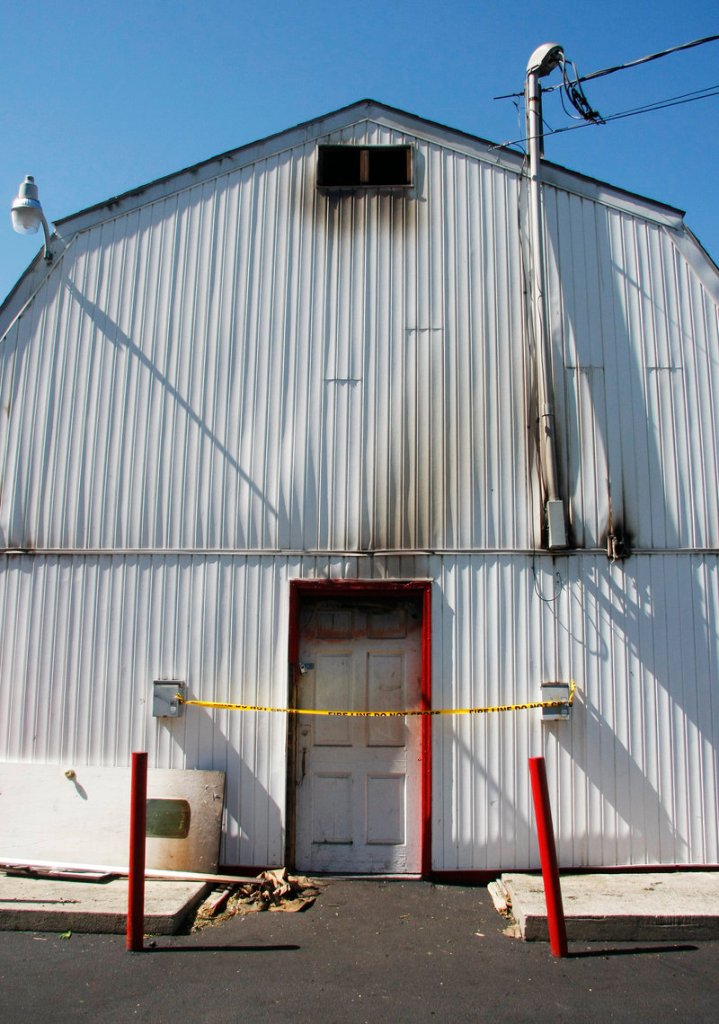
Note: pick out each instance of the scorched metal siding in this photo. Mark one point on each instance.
(637, 338)
(248, 364)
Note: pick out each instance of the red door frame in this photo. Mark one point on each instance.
(377, 589)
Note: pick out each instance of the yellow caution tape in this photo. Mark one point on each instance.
(386, 714)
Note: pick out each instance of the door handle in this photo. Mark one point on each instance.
(303, 769)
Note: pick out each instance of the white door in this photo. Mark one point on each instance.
(359, 779)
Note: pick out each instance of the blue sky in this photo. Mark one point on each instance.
(101, 97)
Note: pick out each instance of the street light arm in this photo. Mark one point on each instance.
(47, 253)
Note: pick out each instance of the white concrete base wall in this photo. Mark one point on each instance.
(633, 775)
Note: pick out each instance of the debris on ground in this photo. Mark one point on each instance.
(63, 875)
(501, 898)
(274, 890)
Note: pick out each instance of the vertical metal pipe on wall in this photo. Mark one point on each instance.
(543, 60)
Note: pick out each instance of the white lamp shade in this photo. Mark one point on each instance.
(26, 210)
(26, 216)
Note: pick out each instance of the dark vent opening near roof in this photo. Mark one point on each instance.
(364, 166)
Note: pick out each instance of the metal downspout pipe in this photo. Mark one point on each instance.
(544, 59)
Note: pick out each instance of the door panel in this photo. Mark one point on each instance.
(387, 689)
(332, 809)
(385, 809)
(358, 780)
(330, 686)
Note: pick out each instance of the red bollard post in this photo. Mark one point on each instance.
(136, 878)
(548, 857)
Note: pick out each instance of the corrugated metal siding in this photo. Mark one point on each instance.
(248, 364)
(91, 634)
(634, 775)
(636, 339)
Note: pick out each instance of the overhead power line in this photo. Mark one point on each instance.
(645, 60)
(623, 67)
(673, 101)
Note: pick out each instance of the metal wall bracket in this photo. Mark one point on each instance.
(164, 698)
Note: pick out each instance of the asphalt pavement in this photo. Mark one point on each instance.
(367, 951)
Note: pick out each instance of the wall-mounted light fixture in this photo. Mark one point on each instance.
(27, 215)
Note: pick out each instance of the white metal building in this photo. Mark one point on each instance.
(247, 401)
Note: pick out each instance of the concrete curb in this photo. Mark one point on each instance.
(653, 906)
(29, 904)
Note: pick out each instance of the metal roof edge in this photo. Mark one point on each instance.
(703, 265)
(431, 131)
(365, 109)
(16, 297)
(35, 275)
(553, 174)
(610, 195)
(213, 166)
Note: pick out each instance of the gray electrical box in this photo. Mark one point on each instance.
(556, 528)
(556, 691)
(164, 698)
